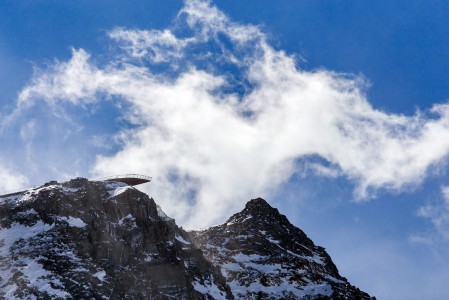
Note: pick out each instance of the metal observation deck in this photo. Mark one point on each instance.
(130, 179)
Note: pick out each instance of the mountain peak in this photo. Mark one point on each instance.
(258, 212)
(260, 208)
(258, 203)
(262, 255)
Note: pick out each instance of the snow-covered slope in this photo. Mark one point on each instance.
(263, 256)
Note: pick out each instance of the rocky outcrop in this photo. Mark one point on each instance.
(106, 240)
(263, 256)
(97, 240)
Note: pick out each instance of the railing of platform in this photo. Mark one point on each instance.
(137, 176)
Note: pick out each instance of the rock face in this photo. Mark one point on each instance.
(106, 240)
(97, 240)
(263, 256)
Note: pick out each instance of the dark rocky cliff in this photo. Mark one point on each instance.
(263, 256)
(106, 240)
(96, 240)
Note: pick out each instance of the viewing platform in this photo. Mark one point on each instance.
(129, 179)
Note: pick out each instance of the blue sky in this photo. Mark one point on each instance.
(334, 111)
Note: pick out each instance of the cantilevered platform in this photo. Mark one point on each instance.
(130, 179)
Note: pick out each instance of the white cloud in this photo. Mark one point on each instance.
(209, 21)
(75, 81)
(154, 45)
(219, 138)
(11, 181)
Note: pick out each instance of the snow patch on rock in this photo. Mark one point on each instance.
(73, 222)
(209, 288)
(181, 239)
(17, 231)
(100, 275)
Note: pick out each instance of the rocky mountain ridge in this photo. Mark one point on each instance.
(106, 240)
(263, 256)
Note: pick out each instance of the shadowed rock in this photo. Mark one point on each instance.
(107, 240)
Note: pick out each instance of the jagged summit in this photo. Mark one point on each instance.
(263, 256)
(84, 239)
(254, 208)
(257, 202)
(259, 215)
(258, 209)
(260, 205)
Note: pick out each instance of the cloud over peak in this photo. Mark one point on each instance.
(221, 116)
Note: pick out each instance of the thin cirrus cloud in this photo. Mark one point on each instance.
(220, 116)
(437, 213)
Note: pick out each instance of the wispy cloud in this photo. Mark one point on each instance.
(438, 214)
(11, 180)
(154, 45)
(230, 122)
